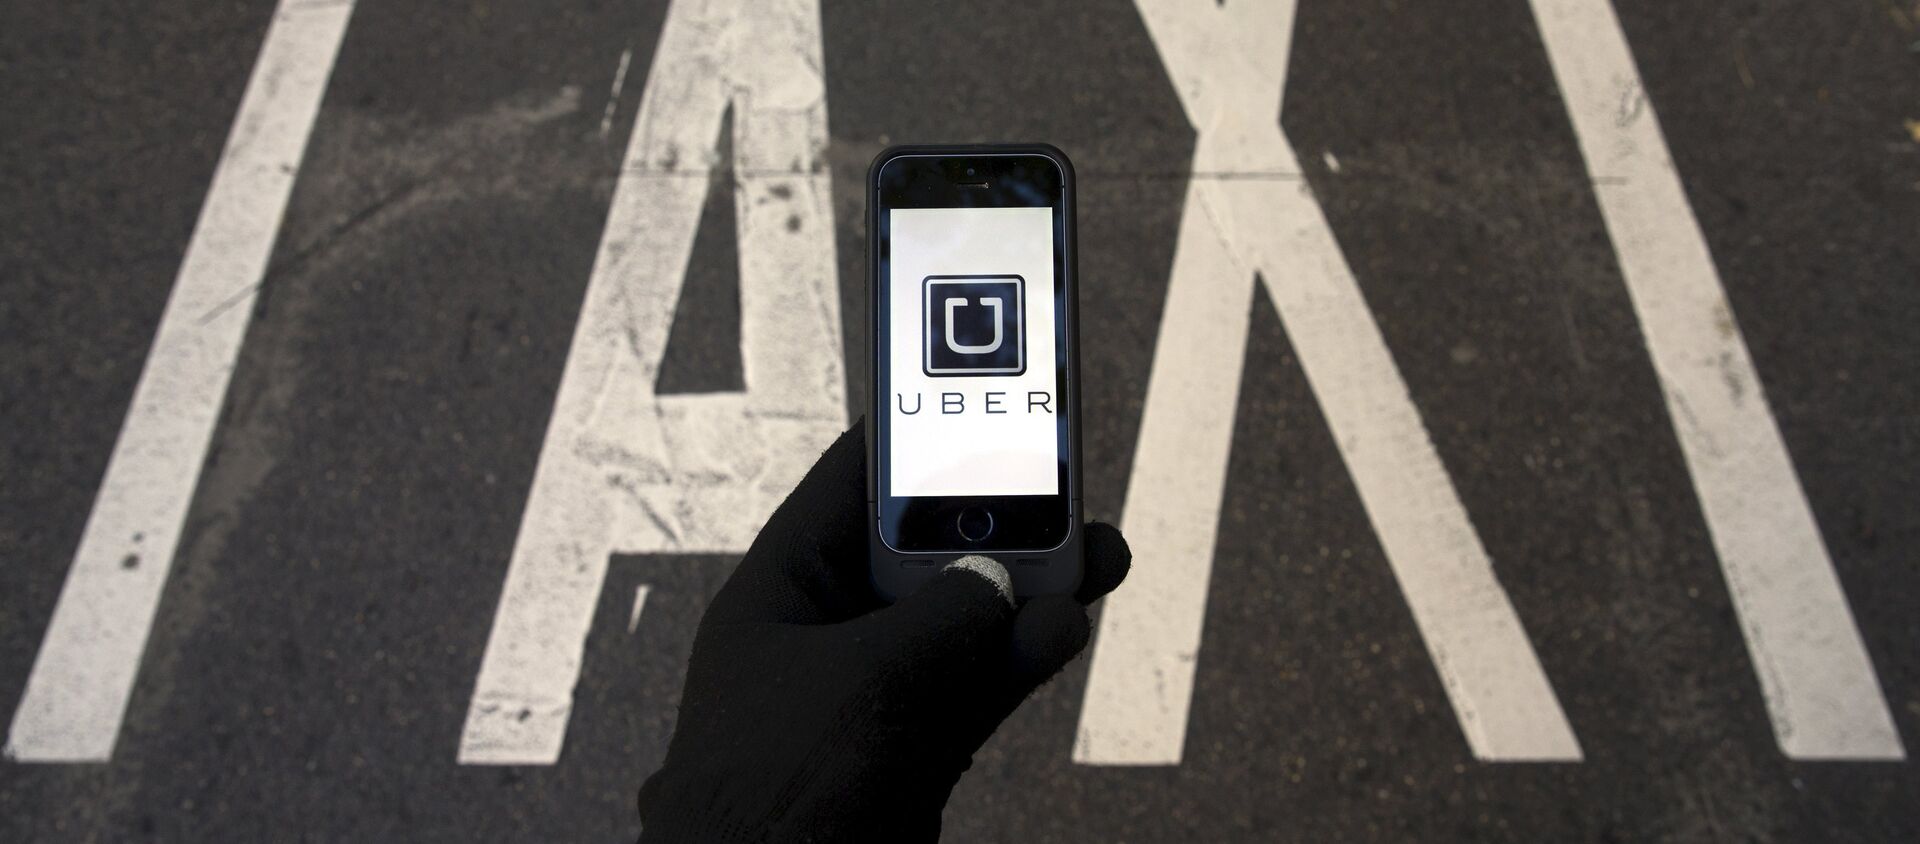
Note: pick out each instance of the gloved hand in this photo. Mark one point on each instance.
(814, 712)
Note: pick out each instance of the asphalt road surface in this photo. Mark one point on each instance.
(1518, 421)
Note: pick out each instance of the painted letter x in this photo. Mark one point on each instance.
(1247, 215)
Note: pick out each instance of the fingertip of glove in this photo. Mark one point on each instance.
(989, 568)
(1049, 632)
(1108, 559)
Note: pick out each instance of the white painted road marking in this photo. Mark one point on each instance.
(1821, 691)
(613, 95)
(639, 603)
(1229, 66)
(624, 470)
(77, 695)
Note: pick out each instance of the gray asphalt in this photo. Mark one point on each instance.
(318, 640)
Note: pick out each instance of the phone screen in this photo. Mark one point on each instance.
(971, 353)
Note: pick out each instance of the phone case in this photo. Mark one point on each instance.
(1037, 572)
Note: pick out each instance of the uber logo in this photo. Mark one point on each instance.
(975, 325)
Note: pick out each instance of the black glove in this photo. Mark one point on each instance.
(814, 712)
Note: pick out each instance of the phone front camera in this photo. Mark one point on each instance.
(969, 171)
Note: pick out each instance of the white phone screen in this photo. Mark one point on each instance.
(971, 353)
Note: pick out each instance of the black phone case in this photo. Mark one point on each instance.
(1055, 571)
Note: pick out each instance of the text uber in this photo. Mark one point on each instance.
(994, 403)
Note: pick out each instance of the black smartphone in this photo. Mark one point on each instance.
(973, 418)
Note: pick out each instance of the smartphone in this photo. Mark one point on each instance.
(973, 418)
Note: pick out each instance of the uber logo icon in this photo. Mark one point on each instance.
(975, 325)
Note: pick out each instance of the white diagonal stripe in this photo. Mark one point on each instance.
(77, 694)
(1820, 687)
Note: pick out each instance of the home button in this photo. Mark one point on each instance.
(975, 523)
